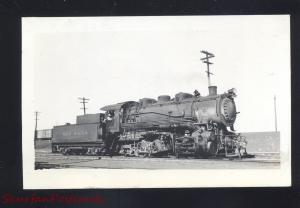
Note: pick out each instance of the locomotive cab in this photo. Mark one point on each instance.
(115, 115)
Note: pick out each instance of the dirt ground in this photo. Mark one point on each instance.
(46, 159)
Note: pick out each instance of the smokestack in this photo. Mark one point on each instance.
(212, 90)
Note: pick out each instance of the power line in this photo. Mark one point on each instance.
(83, 101)
(206, 60)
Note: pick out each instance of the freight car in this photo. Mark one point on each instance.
(45, 134)
(186, 125)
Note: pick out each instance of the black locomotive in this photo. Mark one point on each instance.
(186, 125)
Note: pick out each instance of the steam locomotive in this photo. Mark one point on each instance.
(188, 125)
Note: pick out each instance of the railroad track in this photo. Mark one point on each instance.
(50, 160)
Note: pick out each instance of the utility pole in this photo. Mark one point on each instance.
(275, 113)
(36, 113)
(83, 101)
(206, 60)
(36, 119)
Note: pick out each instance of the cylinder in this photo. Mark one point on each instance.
(212, 90)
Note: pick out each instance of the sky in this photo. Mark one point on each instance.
(116, 59)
